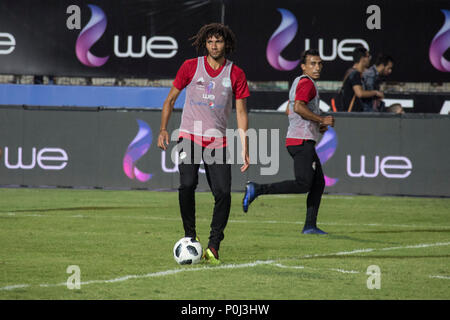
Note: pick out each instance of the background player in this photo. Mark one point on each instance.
(305, 125)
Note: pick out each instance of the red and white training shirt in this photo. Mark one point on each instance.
(208, 101)
(304, 89)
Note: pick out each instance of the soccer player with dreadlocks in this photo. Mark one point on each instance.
(211, 81)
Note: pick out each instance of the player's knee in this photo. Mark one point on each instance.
(303, 185)
(222, 194)
(188, 184)
(321, 183)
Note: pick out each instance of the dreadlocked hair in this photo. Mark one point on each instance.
(216, 30)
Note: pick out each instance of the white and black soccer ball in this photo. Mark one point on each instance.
(187, 251)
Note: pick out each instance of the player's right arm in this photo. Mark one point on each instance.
(302, 109)
(163, 138)
(182, 79)
(304, 93)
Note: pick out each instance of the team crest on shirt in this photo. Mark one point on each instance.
(226, 82)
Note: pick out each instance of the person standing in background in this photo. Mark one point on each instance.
(353, 90)
(372, 78)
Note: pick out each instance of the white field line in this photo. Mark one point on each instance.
(345, 271)
(16, 286)
(234, 266)
(416, 246)
(303, 267)
(440, 277)
(230, 220)
(288, 267)
(167, 272)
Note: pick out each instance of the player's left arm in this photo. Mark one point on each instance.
(242, 123)
(241, 92)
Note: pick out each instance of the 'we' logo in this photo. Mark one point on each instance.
(137, 148)
(90, 34)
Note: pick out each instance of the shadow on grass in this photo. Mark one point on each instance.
(334, 236)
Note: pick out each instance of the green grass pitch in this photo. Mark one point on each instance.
(122, 243)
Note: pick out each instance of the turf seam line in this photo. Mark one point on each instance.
(21, 214)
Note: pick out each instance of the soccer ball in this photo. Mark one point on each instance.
(187, 251)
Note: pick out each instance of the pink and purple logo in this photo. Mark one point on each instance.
(90, 35)
(325, 150)
(137, 148)
(440, 44)
(284, 34)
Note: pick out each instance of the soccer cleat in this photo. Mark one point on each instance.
(313, 230)
(211, 256)
(250, 195)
